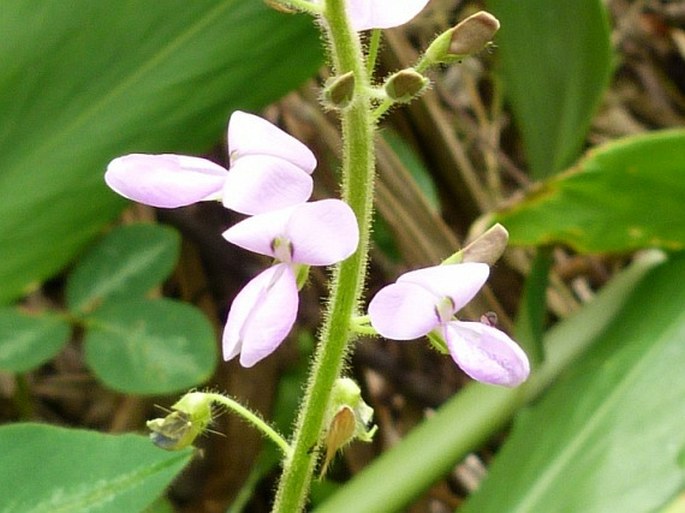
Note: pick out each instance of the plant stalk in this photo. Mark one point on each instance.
(347, 282)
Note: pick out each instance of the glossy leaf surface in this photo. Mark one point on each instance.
(622, 196)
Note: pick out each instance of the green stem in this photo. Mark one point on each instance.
(372, 54)
(253, 419)
(348, 278)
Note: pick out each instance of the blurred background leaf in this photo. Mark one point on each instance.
(128, 262)
(608, 435)
(622, 196)
(555, 60)
(27, 341)
(150, 347)
(47, 468)
(83, 82)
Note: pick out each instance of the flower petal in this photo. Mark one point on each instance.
(460, 282)
(261, 183)
(261, 316)
(257, 233)
(322, 232)
(403, 311)
(381, 14)
(251, 135)
(487, 354)
(165, 181)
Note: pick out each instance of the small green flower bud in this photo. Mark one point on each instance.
(189, 417)
(339, 91)
(405, 85)
(468, 37)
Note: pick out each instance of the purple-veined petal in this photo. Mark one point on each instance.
(262, 183)
(487, 354)
(322, 232)
(165, 181)
(251, 135)
(381, 14)
(403, 311)
(261, 316)
(257, 233)
(460, 282)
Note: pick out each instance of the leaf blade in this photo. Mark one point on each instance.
(108, 79)
(555, 60)
(113, 474)
(150, 347)
(607, 436)
(622, 196)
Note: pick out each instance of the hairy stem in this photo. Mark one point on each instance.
(347, 283)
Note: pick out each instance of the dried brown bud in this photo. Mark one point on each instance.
(339, 91)
(405, 85)
(470, 36)
(473, 34)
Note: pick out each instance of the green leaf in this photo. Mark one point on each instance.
(46, 469)
(555, 60)
(128, 262)
(27, 341)
(530, 320)
(608, 435)
(83, 82)
(150, 347)
(623, 196)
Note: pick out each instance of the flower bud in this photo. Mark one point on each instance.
(339, 91)
(487, 248)
(468, 37)
(189, 417)
(347, 418)
(405, 85)
(473, 34)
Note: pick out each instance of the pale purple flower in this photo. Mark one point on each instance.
(261, 316)
(382, 14)
(269, 170)
(426, 300)
(165, 181)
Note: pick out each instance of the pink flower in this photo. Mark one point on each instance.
(269, 170)
(264, 311)
(165, 181)
(426, 300)
(381, 14)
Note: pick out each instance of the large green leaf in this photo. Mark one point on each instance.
(623, 196)
(608, 436)
(150, 347)
(46, 469)
(555, 61)
(82, 82)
